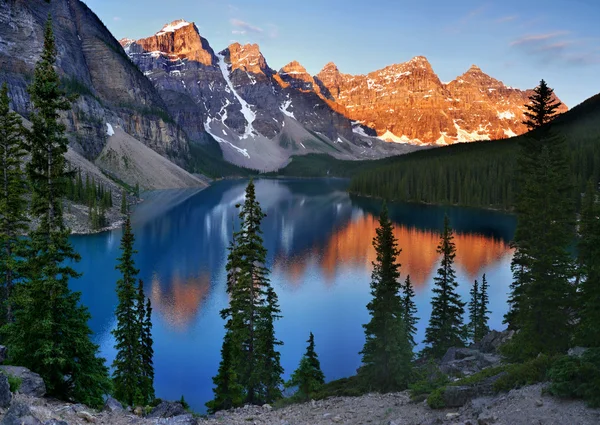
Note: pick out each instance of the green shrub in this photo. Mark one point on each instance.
(436, 399)
(14, 382)
(428, 378)
(528, 373)
(577, 377)
(353, 386)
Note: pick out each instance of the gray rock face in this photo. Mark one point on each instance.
(93, 65)
(32, 384)
(492, 341)
(55, 422)
(5, 395)
(466, 361)
(187, 419)
(167, 409)
(457, 396)
(3, 353)
(19, 414)
(113, 405)
(237, 99)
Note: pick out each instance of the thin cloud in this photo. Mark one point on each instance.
(116, 18)
(462, 23)
(537, 38)
(245, 26)
(506, 19)
(552, 47)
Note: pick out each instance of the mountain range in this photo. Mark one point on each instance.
(176, 95)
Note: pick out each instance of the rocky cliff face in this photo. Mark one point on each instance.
(259, 117)
(93, 66)
(408, 103)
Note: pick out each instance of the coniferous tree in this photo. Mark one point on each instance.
(483, 316)
(13, 218)
(542, 107)
(123, 202)
(474, 310)
(144, 308)
(128, 369)
(50, 334)
(229, 393)
(588, 328)
(250, 344)
(446, 328)
(409, 311)
(542, 297)
(308, 378)
(387, 352)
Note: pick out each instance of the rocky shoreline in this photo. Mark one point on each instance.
(466, 405)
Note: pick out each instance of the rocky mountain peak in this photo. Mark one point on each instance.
(180, 39)
(247, 57)
(329, 68)
(173, 26)
(298, 77)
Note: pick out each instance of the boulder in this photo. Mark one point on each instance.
(86, 416)
(187, 419)
(5, 395)
(466, 361)
(576, 351)
(3, 354)
(32, 384)
(458, 396)
(167, 409)
(113, 405)
(19, 414)
(492, 341)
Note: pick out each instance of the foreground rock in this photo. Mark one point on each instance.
(167, 409)
(525, 406)
(32, 384)
(5, 395)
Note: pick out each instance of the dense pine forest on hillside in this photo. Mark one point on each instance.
(482, 174)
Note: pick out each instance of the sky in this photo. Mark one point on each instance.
(516, 41)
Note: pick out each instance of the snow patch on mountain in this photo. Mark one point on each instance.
(248, 114)
(284, 108)
(470, 136)
(223, 141)
(506, 115)
(388, 136)
(109, 130)
(509, 133)
(173, 26)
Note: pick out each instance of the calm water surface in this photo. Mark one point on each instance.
(319, 243)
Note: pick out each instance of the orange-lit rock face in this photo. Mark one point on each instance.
(353, 245)
(180, 39)
(248, 58)
(181, 302)
(408, 102)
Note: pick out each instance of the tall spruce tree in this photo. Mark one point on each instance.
(409, 311)
(13, 217)
(483, 316)
(588, 327)
(474, 310)
(387, 353)
(50, 334)
(229, 393)
(250, 340)
(128, 370)
(446, 328)
(542, 108)
(309, 377)
(478, 310)
(144, 313)
(542, 297)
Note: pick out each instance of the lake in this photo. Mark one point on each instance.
(319, 243)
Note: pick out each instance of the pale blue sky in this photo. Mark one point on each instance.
(516, 41)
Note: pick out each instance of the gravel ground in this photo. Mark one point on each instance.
(525, 406)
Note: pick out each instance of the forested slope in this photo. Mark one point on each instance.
(481, 174)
